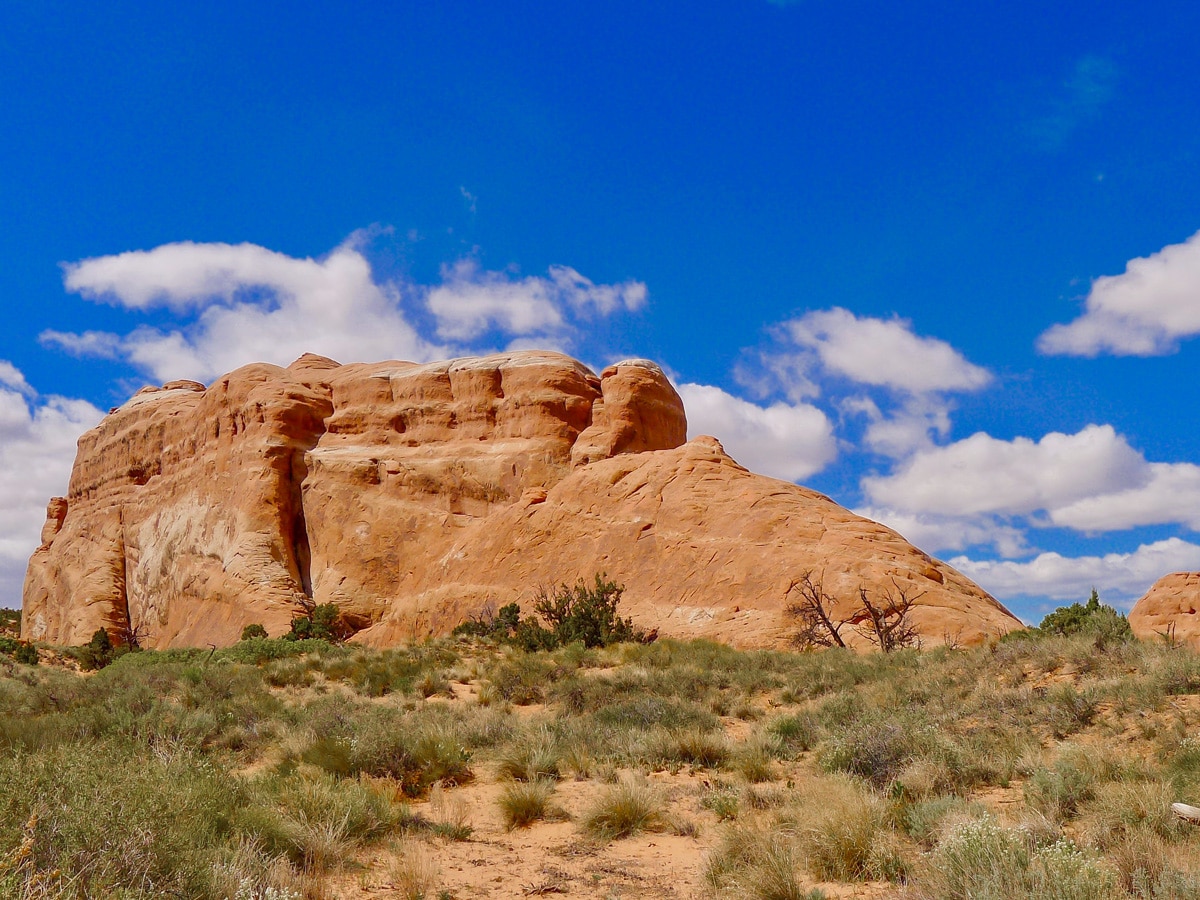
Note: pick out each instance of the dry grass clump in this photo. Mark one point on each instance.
(758, 863)
(531, 757)
(524, 802)
(630, 806)
(413, 873)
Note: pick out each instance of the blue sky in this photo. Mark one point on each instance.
(935, 260)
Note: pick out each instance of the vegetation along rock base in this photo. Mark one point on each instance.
(1043, 765)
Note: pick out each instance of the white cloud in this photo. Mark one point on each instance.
(982, 474)
(781, 440)
(244, 303)
(470, 302)
(1171, 494)
(883, 353)
(1143, 312)
(11, 376)
(943, 533)
(1090, 481)
(1118, 577)
(898, 379)
(906, 427)
(37, 449)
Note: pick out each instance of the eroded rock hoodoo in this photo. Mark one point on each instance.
(413, 495)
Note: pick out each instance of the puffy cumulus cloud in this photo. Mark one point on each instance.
(788, 441)
(1170, 494)
(1144, 311)
(37, 448)
(470, 302)
(873, 367)
(982, 474)
(242, 303)
(1118, 577)
(249, 303)
(882, 353)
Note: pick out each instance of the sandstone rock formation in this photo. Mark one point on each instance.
(1170, 609)
(414, 495)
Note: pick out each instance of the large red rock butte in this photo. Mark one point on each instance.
(1170, 610)
(412, 496)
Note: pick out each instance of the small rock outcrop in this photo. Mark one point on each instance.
(412, 496)
(1170, 610)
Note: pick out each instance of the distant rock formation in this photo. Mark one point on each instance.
(1170, 610)
(415, 495)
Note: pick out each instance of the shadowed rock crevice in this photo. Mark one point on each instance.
(411, 496)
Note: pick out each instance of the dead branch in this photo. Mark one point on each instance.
(817, 626)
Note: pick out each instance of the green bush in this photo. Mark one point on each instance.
(572, 613)
(322, 623)
(1094, 618)
(21, 651)
(254, 630)
(98, 652)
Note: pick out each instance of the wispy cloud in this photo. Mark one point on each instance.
(1079, 100)
(1145, 311)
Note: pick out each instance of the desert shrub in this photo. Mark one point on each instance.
(1060, 791)
(1093, 618)
(259, 650)
(586, 613)
(489, 622)
(254, 630)
(626, 808)
(97, 652)
(874, 750)
(20, 651)
(322, 622)
(583, 613)
(796, 733)
(981, 859)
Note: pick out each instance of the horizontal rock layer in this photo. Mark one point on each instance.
(415, 495)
